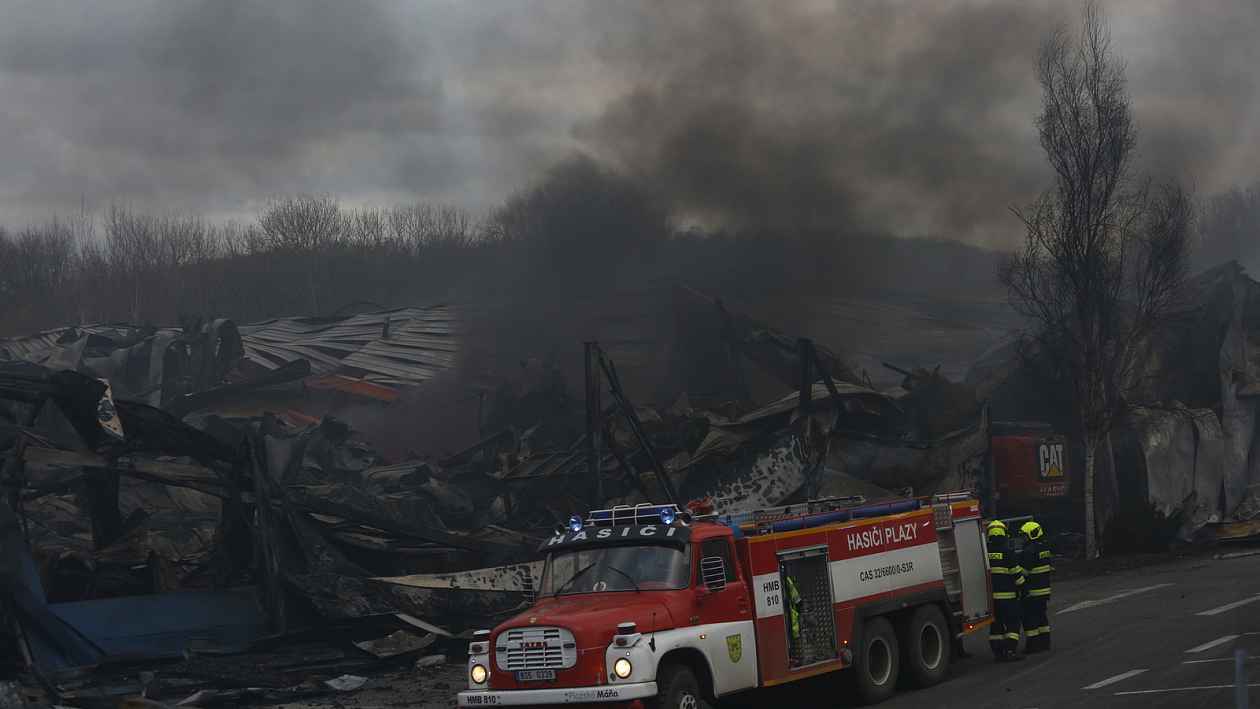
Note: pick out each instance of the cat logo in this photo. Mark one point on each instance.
(1050, 459)
(735, 647)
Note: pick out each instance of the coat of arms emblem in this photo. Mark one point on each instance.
(735, 647)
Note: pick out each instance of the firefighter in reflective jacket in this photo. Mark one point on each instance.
(794, 618)
(794, 607)
(1036, 562)
(1007, 578)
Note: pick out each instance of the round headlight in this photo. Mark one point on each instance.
(478, 674)
(622, 668)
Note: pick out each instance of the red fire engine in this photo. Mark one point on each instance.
(651, 606)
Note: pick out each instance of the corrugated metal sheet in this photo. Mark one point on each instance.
(399, 347)
(37, 347)
(519, 578)
(394, 348)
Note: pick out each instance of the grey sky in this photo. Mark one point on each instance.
(909, 116)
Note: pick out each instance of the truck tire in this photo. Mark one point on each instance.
(877, 664)
(677, 688)
(926, 646)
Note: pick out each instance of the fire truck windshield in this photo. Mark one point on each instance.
(619, 568)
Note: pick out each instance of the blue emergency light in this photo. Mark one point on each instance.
(642, 513)
(575, 524)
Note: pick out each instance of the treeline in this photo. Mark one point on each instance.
(560, 246)
(131, 266)
(313, 255)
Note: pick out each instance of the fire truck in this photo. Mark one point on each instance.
(653, 606)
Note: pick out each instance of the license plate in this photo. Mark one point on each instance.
(535, 675)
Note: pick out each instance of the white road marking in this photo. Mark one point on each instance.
(1181, 689)
(1123, 594)
(1218, 659)
(1212, 644)
(1230, 606)
(1112, 680)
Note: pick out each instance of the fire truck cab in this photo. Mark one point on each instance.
(651, 606)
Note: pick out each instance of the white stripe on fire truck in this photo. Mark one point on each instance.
(860, 577)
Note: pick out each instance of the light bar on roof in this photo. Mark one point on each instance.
(644, 513)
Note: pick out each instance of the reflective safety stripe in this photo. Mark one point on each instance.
(1032, 632)
(1001, 570)
(1004, 595)
(1019, 581)
(1044, 555)
(1044, 569)
(1039, 592)
(995, 556)
(1013, 636)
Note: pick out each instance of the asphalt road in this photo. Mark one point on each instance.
(1160, 636)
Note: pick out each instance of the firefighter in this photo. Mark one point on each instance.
(1036, 562)
(794, 617)
(1007, 578)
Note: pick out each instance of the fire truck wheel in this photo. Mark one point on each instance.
(926, 645)
(677, 688)
(878, 664)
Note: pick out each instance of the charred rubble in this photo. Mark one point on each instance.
(189, 496)
(195, 504)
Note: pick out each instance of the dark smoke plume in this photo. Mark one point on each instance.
(859, 117)
(904, 118)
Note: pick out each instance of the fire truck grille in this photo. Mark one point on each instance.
(535, 649)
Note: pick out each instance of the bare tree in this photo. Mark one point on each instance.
(44, 258)
(1104, 255)
(235, 239)
(365, 229)
(134, 252)
(303, 228)
(305, 223)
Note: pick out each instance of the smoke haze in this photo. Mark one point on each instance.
(899, 117)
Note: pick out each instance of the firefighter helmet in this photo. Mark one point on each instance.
(1032, 530)
(997, 528)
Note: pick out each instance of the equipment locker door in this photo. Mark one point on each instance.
(813, 640)
(973, 563)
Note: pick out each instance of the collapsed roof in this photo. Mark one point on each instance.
(371, 354)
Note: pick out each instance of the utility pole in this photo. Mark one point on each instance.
(593, 415)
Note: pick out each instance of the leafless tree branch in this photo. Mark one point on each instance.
(1104, 256)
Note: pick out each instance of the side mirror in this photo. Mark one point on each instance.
(713, 573)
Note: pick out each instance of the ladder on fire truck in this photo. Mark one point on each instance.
(951, 568)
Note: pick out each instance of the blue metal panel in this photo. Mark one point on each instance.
(164, 625)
